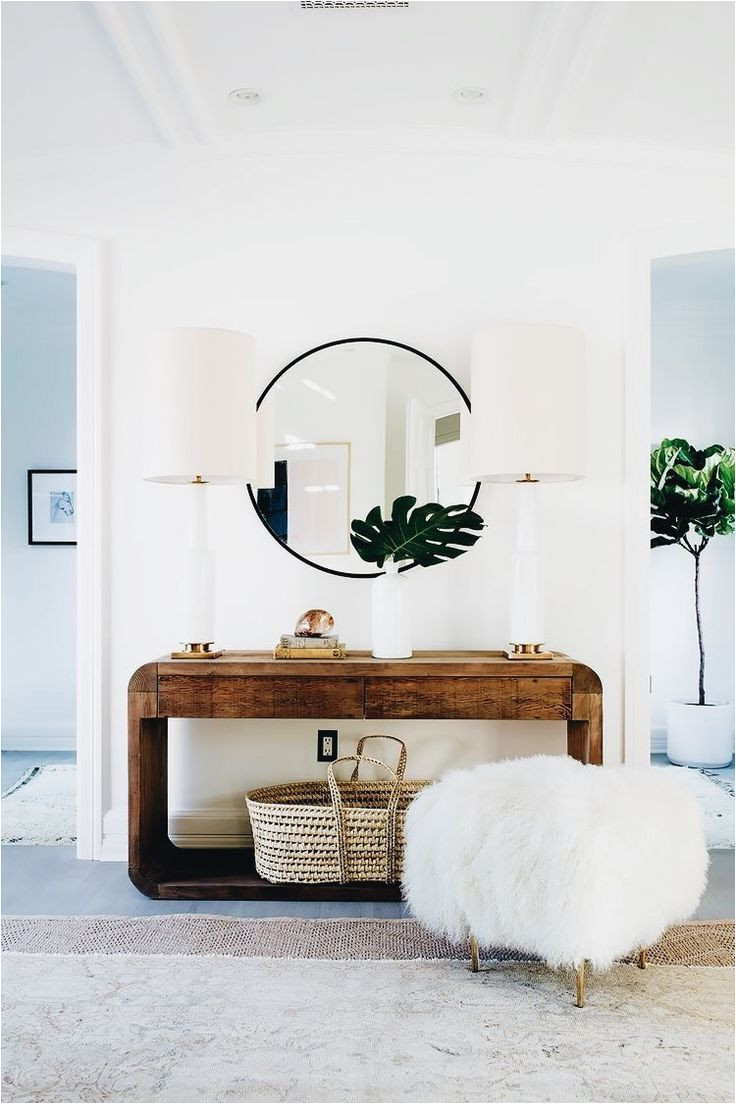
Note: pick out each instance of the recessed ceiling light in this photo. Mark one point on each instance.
(245, 95)
(472, 94)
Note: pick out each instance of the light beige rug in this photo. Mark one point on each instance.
(40, 806)
(228, 1027)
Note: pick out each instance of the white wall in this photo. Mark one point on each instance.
(38, 582)
(692, 397)
(425, 247)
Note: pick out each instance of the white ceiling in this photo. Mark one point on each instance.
(113, 75)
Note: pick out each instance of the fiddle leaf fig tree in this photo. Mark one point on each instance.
(428, 534)
(692, 501)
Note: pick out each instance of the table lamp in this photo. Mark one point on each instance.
(527, 427)
(202, 389)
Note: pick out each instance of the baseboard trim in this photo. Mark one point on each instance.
(210, 828)
(114, 847)
(203, 827)
(658, 741)
(29, 739)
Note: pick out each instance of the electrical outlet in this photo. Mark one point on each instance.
(326, 745)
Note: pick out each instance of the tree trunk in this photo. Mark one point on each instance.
(701, 646)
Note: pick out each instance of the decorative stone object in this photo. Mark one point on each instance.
(315, 622)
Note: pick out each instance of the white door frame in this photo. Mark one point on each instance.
(709, 233)
(83, 256)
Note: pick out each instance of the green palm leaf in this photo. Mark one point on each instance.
(428, 534)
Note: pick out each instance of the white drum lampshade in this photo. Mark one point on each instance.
(201, 390)
(201, 385)
(528, 396)
(265, 445)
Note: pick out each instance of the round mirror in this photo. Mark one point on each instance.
(348, 426)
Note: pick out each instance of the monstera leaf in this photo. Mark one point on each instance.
(691, 490)
(428, 534)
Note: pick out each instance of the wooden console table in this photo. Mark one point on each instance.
(430, 685)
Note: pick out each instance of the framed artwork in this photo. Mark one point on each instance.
(313, 478)
(52, 506)
(273, 502)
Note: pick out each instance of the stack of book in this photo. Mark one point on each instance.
(309, 647)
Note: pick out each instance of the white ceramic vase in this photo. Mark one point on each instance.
(390, 615)
(699, 735)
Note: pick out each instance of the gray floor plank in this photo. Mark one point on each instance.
(51, 881)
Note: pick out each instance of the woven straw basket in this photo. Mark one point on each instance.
(334, 831)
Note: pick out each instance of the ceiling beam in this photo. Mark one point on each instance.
(563, 41)
(160, 20)
(148, 73)
(590, 41)
(545, 32)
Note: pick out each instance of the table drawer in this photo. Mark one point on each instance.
(206, 696)
(500, 699)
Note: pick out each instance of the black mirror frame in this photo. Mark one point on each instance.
(277, 377)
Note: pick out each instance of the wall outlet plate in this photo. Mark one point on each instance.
(326, 745)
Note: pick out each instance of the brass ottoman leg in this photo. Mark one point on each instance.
(642, 959)
(580, 985)
(474, 954)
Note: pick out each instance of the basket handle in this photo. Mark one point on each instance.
(337, 807)
(380, 736)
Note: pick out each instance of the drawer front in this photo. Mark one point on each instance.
(499, 699)
(203, 696)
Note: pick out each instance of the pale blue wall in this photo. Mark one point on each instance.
(692, 397)
(38, 583)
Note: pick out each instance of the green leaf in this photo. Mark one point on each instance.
(692, 491)
(428, 534)
(660, 542)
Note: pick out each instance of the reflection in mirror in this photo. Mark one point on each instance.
(350, 426)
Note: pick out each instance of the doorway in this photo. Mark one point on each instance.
(691, 630)
(39, 555)
(80, 260)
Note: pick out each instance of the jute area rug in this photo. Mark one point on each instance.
(192, 1008)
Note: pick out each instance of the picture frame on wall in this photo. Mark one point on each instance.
(316, 494)
(52, 506)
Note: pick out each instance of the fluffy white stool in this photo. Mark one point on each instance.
(545, 855)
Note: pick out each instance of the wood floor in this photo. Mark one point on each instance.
(51, 881)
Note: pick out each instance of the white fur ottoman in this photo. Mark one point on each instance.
(547, 856)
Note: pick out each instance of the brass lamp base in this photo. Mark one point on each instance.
(527, 651)
(197, 651)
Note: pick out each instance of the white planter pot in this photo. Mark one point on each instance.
(699, 735)
(390, 615)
